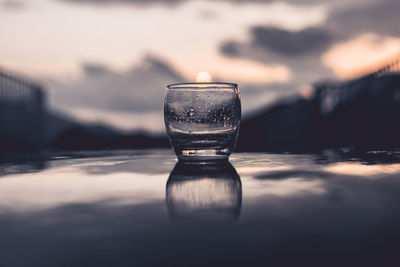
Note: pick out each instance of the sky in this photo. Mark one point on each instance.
(109, 61)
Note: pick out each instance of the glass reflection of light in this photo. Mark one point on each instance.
(204, 191)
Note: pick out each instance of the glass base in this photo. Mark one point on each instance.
(205, 154)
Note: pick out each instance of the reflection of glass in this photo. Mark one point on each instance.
(202, 119)
(204, 191)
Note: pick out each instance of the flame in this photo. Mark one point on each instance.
(203, 77)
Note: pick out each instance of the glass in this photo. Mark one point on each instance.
(204, 192)
(202, 119)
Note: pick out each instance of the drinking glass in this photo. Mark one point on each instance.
(202, 119)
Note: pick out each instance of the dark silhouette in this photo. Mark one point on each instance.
(27, 126)
(100, 137)
(361, 113)
(21, 114)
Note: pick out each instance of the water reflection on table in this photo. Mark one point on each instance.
(204, 191)
(137, 209)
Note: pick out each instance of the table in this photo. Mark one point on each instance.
(141, 208)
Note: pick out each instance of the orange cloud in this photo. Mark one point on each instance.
(360, 55)
(237, 70)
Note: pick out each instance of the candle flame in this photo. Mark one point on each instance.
(203, 77)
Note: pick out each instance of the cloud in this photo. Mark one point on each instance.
(241, 70)
(309, 52)
(126, 2)
(175, 2)
(378, 16)
(102, 94)
(230, 48)
(13, 4)
(277, 44)
(298, 50)
(347, 57)
(136, 90)
(291, 43)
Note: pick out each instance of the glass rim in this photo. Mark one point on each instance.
(203, 85)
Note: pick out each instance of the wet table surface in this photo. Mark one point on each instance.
(141, 208)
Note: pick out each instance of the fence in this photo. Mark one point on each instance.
(21, 113)
(389, 66)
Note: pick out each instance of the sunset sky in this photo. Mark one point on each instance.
(109, 60)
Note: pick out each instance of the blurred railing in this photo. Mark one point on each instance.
(390, 66)
(332, 94)
(16, 90)
(21, 113)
